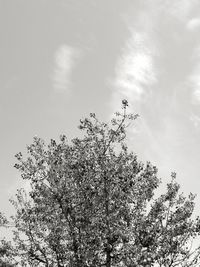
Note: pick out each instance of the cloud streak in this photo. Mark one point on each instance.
(193, 24)
(178, 8)
(64, 63)
(195, 119)
(134, 69)
(194, 80)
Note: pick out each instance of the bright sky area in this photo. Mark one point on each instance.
(61, 60)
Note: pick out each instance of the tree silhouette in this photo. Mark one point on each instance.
(92, 203)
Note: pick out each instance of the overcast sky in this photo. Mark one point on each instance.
(61, 60)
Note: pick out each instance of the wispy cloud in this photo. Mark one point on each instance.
(64, 62)
(194, 81)
(142, 77)
(178, 8)
(193, 24)
(134, 69)
(195, 120)
(196, 90)
(136, 72)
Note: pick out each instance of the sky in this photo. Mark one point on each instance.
(61, 60)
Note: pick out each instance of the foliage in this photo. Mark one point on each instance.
(6, 254)
(92, 203)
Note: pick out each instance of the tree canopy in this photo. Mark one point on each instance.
(92, 203)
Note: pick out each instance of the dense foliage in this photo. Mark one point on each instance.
(92, 203)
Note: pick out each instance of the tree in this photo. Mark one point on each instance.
(6, 254)
(92, 203)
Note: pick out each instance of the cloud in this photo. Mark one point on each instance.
(195, 120)
(178, 8)
(194, 80)
(64, 62)
(194, 84)
(193, 24)
(134, 69)
(196, 92)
